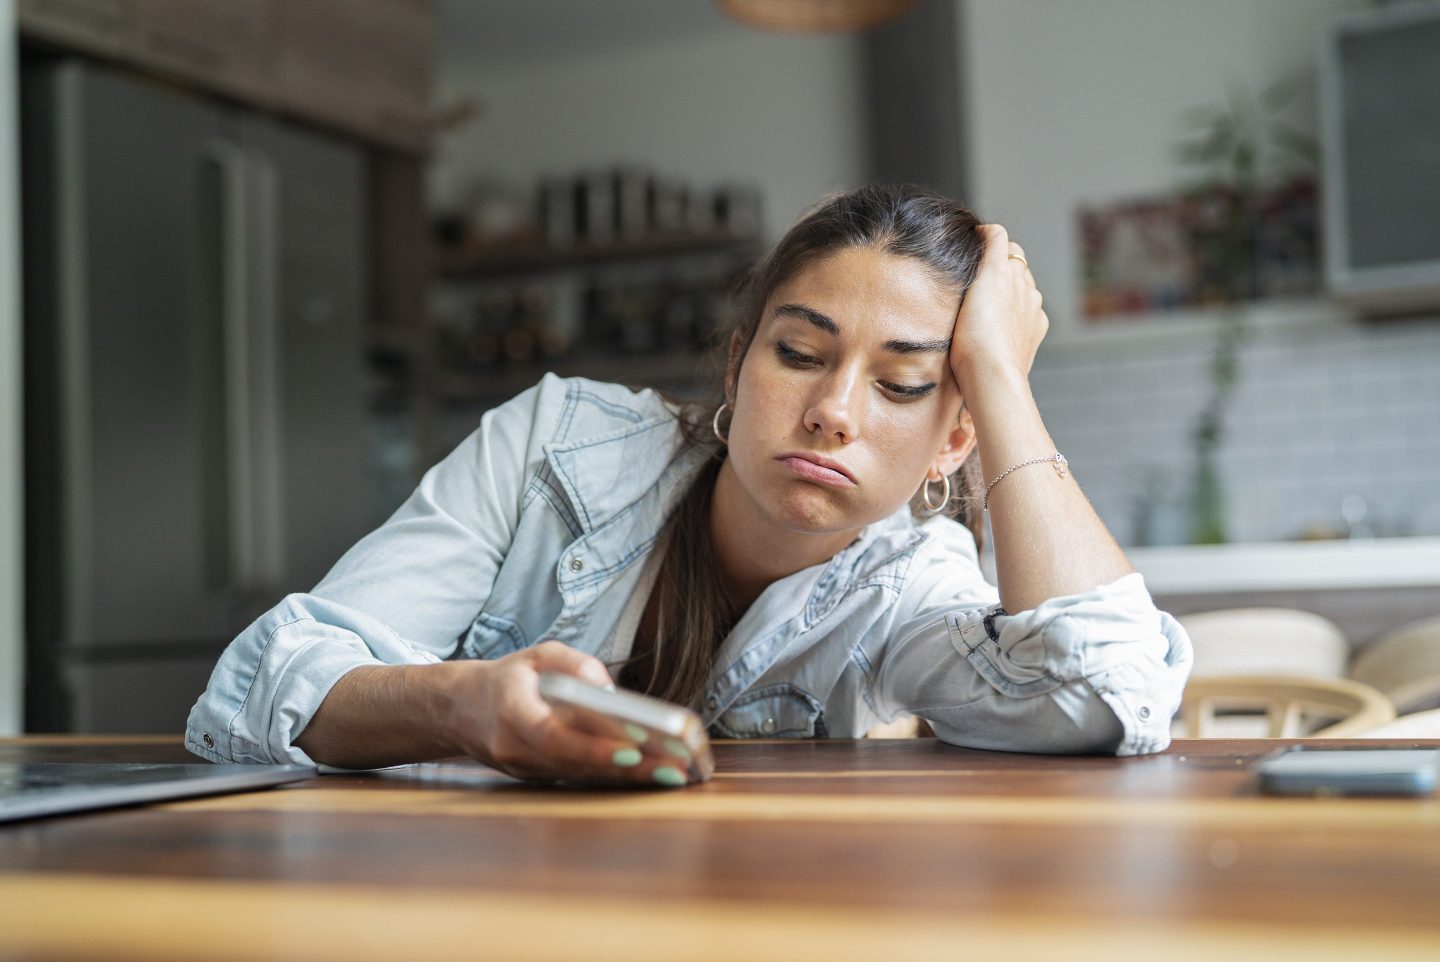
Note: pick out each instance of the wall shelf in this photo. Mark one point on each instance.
(423, 371)
(490, 263)
(679, 368)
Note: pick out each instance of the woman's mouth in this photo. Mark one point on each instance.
(811, 471)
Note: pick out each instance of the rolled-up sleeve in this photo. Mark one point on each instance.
(272, 678)
(404, 594)
(1101, 671)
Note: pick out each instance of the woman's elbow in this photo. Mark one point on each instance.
(1070, 720)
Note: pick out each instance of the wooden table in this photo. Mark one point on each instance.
(869, 850)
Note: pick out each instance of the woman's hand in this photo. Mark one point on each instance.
(496, 715)
(1000, 323)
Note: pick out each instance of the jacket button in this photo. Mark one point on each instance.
(769, 726)
(1144, 712)
(209, 742)
(576, 564)
(712, 703)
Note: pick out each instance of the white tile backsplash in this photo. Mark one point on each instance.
(1320, 411)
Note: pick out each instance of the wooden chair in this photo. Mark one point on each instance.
(1422, 724)
(1347, 705)
(906, 727)
(1405, 665)
(1266, 641)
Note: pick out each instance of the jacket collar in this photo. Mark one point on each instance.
(868, 557)
(605, 474)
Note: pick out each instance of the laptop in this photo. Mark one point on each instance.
(32, 789)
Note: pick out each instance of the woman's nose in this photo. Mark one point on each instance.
(835, 411)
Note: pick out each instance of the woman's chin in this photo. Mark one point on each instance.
(812, 509)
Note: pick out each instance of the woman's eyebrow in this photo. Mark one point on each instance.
(824, 323)
(809, 314)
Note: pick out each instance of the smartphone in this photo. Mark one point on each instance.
(1349, 771)
(670, 731)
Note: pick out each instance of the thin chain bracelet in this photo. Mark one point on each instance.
(1057, 459)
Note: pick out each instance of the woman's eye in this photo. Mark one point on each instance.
(792, 356)
(910, 393)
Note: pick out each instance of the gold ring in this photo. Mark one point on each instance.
(1017, 257)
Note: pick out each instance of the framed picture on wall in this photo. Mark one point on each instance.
(1210, 246)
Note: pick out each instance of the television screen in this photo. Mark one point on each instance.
(1391, 104)
(1382, 158)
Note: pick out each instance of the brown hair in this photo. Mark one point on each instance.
(695, 612)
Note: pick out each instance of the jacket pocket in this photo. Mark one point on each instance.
(491, 636)
(775, 711)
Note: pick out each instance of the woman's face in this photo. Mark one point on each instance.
(850, 365)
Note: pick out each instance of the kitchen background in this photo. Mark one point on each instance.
(573, 186)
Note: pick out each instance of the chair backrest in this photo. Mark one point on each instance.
(1348, 705)
(1405, 665)
(1422, 724)
(1266, 641)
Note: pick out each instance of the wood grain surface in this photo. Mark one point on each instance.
(838, 849)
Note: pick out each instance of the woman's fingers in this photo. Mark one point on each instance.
(536, 740)
(997, 242)
(537, 743)
(568, 753)
(555, 750)
(1001, 250)
(1000, 317)
(555, 656)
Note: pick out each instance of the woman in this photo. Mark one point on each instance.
(789, 564)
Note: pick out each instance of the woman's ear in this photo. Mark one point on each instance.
(958, 445)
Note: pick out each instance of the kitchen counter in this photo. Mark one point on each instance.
(1290, 566)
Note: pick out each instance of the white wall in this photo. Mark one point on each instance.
(1073, 103)
(783, 112)
(12, 665)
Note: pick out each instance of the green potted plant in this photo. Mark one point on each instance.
(1231, 147)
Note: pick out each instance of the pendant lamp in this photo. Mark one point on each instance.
(815, 16)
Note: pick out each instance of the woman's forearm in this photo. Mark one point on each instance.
(384, 715)
(1048, 539)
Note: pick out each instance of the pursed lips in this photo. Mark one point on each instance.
(808, 466)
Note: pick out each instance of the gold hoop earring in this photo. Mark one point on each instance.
(944, 498)
(715, 424)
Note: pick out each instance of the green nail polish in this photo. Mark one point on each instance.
(626, 757)
(666, 775)
(637, 734)
(677, 749)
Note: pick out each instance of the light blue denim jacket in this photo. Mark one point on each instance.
(536, 528)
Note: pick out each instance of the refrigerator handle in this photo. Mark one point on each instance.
(269, 516)
(235, 321)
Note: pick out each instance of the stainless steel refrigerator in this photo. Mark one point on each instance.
(195, 419)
